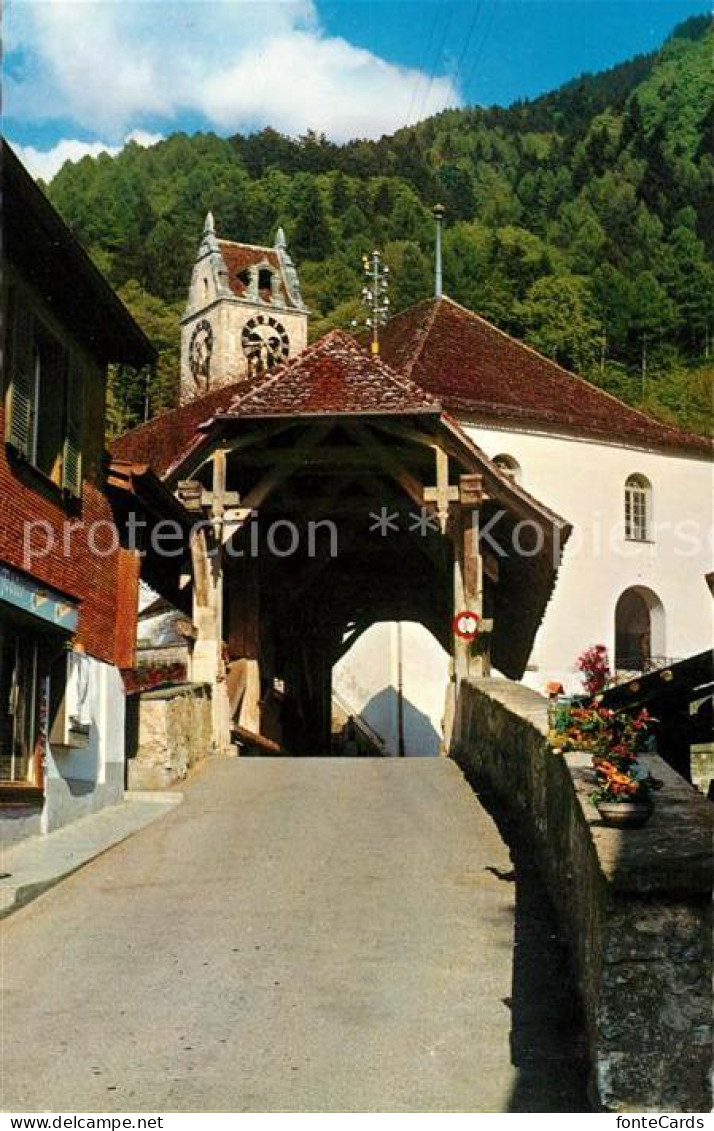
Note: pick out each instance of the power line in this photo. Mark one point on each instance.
(422, 73)
(478, 9)
(447, 21)
(482, 44)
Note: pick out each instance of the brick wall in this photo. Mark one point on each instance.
(104, 586)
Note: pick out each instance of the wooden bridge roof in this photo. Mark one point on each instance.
(332, 377)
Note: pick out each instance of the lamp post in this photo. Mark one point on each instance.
(438, 213)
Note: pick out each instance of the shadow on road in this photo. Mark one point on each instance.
(548, 1045)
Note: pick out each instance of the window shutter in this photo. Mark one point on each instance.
(72, 453)
(23, 381)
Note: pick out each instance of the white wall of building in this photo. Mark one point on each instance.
(366, 680)
(83, 780)
(584, 482)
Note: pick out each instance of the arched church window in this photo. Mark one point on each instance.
(265, 279)
(509, 464)
(639, 630)
(638, 509)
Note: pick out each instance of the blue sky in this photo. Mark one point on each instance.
(511, 48)
(84, 75)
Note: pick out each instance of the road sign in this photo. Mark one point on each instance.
(467, 624)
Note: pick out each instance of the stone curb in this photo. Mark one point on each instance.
(38, 863)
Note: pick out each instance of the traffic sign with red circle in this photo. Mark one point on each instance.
(466, 624)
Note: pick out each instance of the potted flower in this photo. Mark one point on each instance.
(623, 793)
(583, 728)
(623, 797)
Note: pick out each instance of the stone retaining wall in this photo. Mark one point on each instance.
(168, 732)
(635, 904)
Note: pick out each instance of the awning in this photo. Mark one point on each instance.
(31, 597)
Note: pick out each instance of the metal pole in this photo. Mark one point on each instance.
(438, 214)
(400, 691)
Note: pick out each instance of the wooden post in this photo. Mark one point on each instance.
(442, 495)
(207, 664)
(243, 617)
(468, 574)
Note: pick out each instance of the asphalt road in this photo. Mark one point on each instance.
(323, 935)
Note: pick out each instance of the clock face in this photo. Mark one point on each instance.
(265, 343)
(199, 352)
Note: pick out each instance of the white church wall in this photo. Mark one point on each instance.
(367, 677)
(584, 481)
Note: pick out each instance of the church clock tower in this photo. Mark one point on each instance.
(244, 314)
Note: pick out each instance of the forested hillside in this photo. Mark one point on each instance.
(582, 222)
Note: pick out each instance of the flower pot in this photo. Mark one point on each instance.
(625, 814)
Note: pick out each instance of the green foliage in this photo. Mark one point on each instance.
(582, 221)
(133, 397)
(559, 320)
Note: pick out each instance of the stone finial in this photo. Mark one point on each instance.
(290, 275)
(209, 243)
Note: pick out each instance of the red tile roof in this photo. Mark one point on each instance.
(332, 377)
(475, 368)
(238, 257)
(160, 441)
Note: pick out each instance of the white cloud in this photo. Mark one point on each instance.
(303, 80)
(238, 64)
(45, 163)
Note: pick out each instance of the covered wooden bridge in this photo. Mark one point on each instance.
(327, 496)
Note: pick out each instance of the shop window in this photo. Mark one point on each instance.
(19, 678)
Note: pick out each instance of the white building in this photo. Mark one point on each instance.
(638, 494)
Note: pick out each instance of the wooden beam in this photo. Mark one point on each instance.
(471, 492)
(264, 488)
(443, 494)
(391, 463)
(342, 456)
(199, 459)
(468, 590)
(413, 435)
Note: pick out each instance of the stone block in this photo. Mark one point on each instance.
(174, 733)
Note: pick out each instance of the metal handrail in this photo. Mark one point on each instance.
(368, 731)
(629, 667)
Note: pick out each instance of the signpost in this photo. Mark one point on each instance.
(467, 624)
